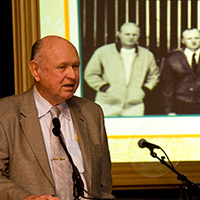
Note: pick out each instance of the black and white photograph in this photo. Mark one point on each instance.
(141, 57)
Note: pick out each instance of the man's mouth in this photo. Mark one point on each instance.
(69, 85)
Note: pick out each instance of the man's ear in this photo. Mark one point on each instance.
(34, 69)
(118, 34)
(183, 41)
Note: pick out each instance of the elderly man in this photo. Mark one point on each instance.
(122, 74)
(33, 163)
(180, 77)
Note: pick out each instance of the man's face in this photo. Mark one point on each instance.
(129, 35)
(191, 39)
(58, 73)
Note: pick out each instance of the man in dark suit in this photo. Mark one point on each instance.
(180, 77)
(26, 169)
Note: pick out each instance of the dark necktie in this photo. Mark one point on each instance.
(194, 63)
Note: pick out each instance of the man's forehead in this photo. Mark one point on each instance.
(59, 48)
(192, 32)
(130, 30)
(129, 27)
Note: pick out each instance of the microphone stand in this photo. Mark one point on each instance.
(77, 180)
(78, 183)
(188, 190)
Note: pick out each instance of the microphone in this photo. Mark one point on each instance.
(56, 128)
(142, 143)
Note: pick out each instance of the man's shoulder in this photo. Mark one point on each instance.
(10, 106)
(83, 104)
(14, 102)
(106, 47)
(144, 50)
(11, 100)
(81, 101)
(175, 54)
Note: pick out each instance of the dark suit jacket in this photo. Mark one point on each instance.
(178, 81)
(24, 166)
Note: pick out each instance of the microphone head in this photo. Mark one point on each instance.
(56, 123)
(56, 128)
(141, 143)
(56, 131)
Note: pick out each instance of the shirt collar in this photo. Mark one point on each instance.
(127, 51)
(198, 51)
(43, 106)
(190, 52)
(64, 109)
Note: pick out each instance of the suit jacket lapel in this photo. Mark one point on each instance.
(185, 63)
(80, 124)
(198, 64)
(32, 131)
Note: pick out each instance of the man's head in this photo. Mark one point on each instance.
(54, 65)
(129, 35)
(191, 39)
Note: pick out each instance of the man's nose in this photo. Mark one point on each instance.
(131, 36)
(71, 73)
(194, 40)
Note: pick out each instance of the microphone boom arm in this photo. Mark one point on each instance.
(188, 188)
(78, 183)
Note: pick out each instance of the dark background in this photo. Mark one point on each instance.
(7, 65)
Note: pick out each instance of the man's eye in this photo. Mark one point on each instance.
(75, 66)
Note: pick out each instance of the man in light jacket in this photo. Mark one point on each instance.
(122, 74)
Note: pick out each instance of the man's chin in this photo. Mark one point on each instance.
(67, 96)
